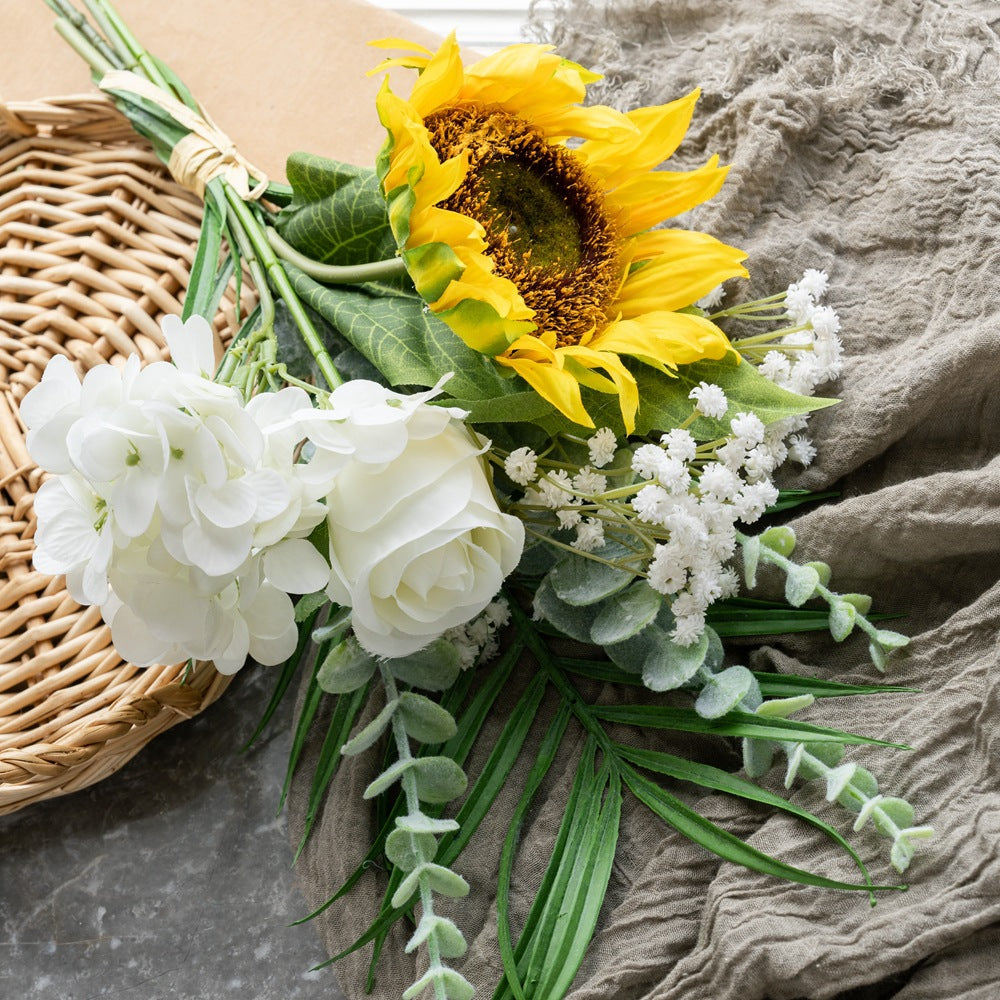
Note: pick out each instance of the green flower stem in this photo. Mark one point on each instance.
(409, 784)
(765, 338)
(279, 280)
(335, 274)
(83, 40)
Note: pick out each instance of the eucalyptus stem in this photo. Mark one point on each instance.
(335, 274)
(409, 785)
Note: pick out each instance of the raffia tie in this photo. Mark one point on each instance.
(205, 152)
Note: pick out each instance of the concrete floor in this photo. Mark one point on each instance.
(170, 880)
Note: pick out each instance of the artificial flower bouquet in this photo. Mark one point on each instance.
(485, 405)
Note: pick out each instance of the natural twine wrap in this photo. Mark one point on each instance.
(96, 244)
(864, 140)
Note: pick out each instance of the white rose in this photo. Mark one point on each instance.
(417, 542)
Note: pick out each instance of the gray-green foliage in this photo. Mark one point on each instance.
(596, 601)
(803, 582)
(425, 780)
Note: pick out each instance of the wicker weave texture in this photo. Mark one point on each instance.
(96, 244)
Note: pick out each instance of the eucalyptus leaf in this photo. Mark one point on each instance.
(442, 880)
(898, 812)
(407, 850)
(424, 720)
(626, 613)
(781, 708)
(800, 584)
(758, 757)
(439, 779)
(433, 668)
(581, 581)
(724, 691)
(369, 736)
(670, 665)
(780, 539)
(751, 557)
(450, 940)
(346, 668)
(455, 985)
(842, 617)
(572, 620)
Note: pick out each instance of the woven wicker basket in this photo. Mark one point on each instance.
(96, 243)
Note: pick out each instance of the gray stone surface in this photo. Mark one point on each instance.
(170, 879)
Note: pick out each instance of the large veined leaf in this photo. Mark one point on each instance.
(410, 346)
(337, 214)
(664, 401)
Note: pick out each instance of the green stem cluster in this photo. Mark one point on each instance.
(110, 45)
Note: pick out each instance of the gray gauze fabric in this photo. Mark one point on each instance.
(864, 140)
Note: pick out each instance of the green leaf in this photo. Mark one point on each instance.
(494, 772)
(433, 668)
(715, 778)
(309, 604)
(411, 346)
(341, 723)
(780, 539)
(586, 891)
(455, 985)
(544, 757)
(781, 708)
(800, 584)
(407, 850)
(346, 668)
(371, 733)
(713, 838)
(424, 720)
(665, 401)
(442, 880)
(580, 581)
(625, 614)
(734, 724)
(669, 665)
(724, 691)
(337, 214)
(791, 685)
(203, 292)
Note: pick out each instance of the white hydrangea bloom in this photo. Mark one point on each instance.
(801, 450)
(589, 535)
(711, 299)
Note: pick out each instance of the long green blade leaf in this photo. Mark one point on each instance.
(790, 685)
(687, 720)
(713, 777)
(728, 847)
(511, 983)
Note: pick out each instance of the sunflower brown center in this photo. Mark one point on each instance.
(546, 227)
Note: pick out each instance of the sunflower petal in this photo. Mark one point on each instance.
(651, 198)
(553, 384)
(659, 131)
(683, 267)
(664, 339)
(441, 80)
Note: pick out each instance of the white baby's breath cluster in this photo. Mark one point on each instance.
(478, 641)
(183, 510)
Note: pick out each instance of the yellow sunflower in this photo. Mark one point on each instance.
(539, 253)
